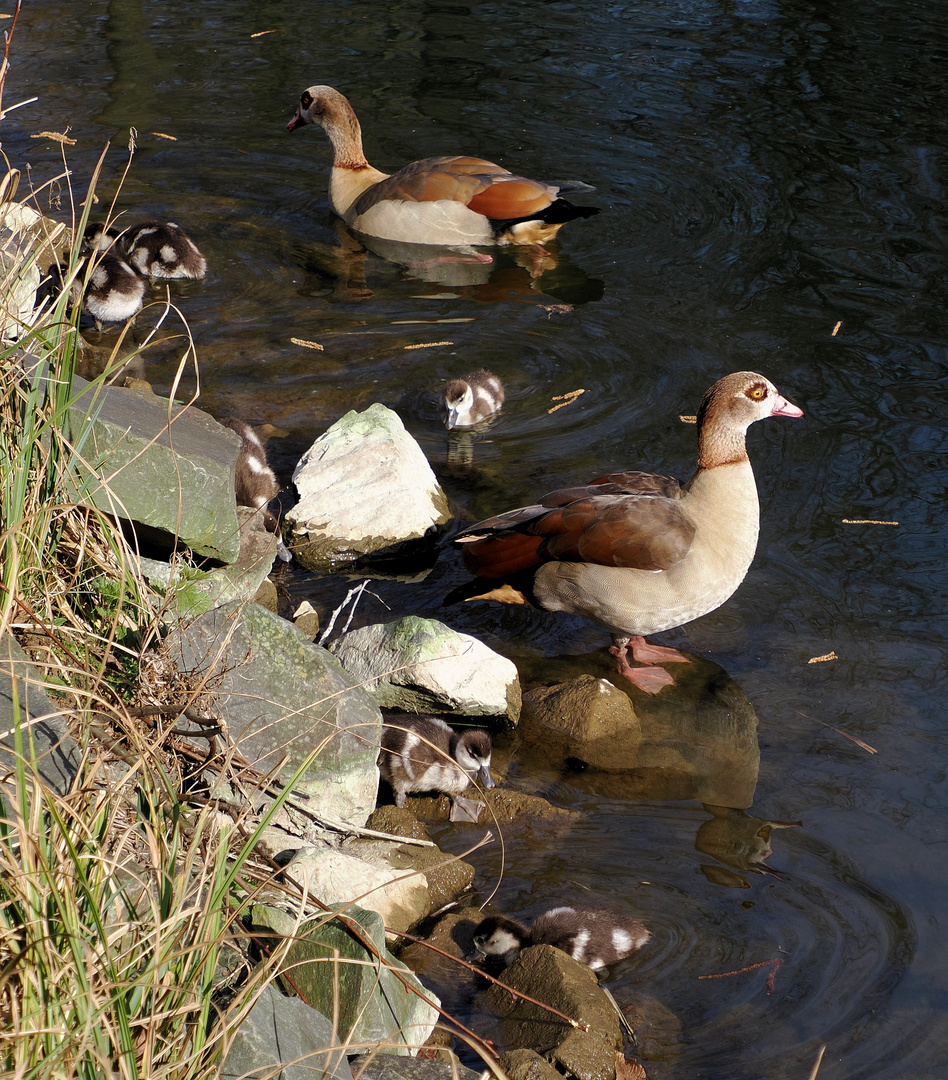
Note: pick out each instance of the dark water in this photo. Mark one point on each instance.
(765, 170)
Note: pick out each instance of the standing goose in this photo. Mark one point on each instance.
(633, 551)
(438, 200)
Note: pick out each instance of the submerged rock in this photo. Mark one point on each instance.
(364, 485)
(421, 665)
(551, 976)
(696, 740)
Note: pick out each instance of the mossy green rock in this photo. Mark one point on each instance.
(378, 998)
(162, 465)
(284, 698)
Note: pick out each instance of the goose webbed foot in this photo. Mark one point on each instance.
(648, 678)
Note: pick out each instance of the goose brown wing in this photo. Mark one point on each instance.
(486, 188)
(632, 520)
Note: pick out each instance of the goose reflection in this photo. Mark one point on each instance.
(518, 274)
(740, 841)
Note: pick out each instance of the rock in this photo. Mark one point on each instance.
(284, 1037)
(387, 1067)
(421, 665)
(198, 591)
(453, 934)
(659, 1033)
(283, 698)
(364, 485)
(28, 242)
(306, 620)
(589, 719)
(57, 754)
(377, 997)
(446, 875)
(338, 877)
(268, 597)
(503, 805)
(696, 740)
(527, 1065)
(178, 484)
(553, 977)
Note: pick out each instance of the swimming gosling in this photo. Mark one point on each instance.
(595, 938)
(473, 399)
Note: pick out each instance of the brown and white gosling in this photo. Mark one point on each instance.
(595, 938)
(255, 483)
(422, 753)
(113, 292)
(155, 249)
(471, 400)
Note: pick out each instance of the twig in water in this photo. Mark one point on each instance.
(869, 749)
(564, 400)
(355, 592)
(775, 964)
(816, 1064)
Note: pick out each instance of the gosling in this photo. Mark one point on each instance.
(255, 483)
(473, 399)
(422, 753)
(155, 249)
(113, 292)
(595, 938)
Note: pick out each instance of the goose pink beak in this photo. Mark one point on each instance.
(782, 407)
(296, 122)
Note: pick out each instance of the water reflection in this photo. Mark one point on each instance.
(738, 840)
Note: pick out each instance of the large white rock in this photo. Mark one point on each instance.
(420, 665)
(364, 484)
(334, 877)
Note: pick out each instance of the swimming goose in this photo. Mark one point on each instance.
(155, 249)
(438, 200)
(422, 753)
(594, 938)
(255, 483)
(633, 551)
(471, 400)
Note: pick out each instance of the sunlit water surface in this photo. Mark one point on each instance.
(766, 171)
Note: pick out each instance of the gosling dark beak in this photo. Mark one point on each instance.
(485, 778)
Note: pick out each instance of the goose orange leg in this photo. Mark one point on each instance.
(648, 678)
